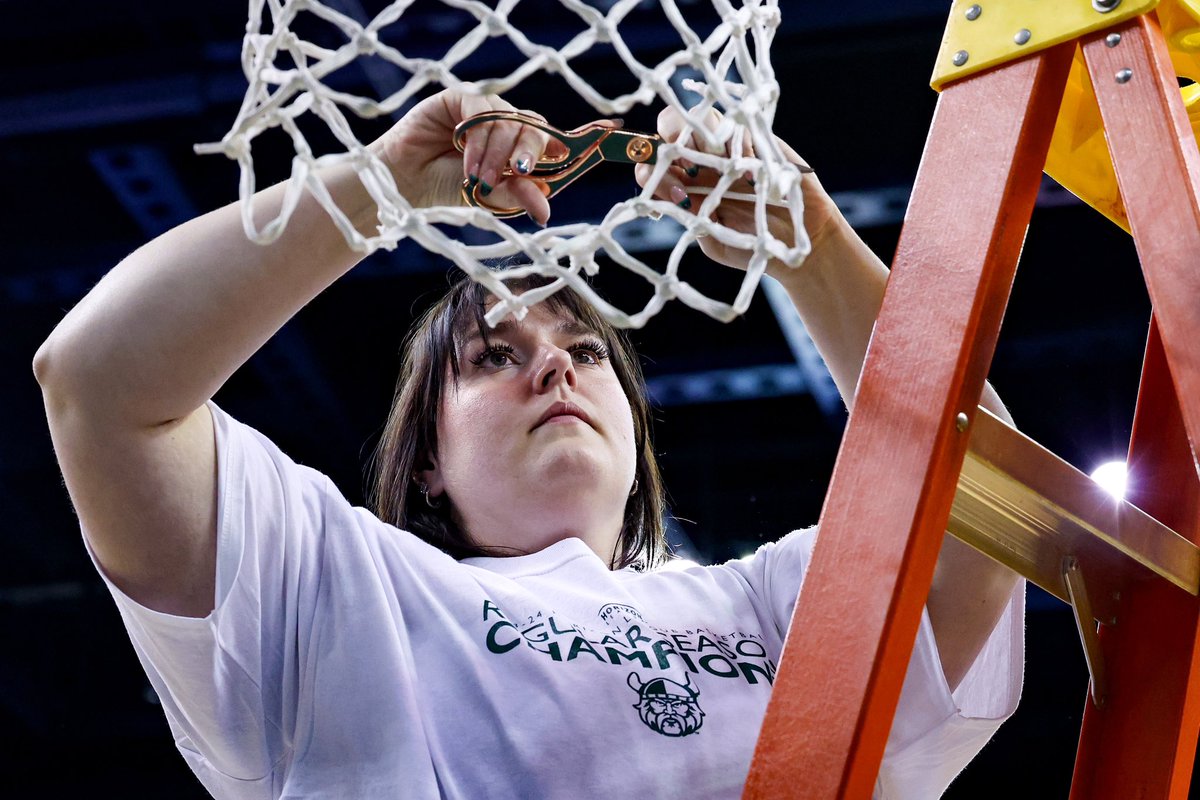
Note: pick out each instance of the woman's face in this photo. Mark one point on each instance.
(536, 441)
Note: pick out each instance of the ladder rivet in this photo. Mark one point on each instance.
(1105, 6)
(1113, 39)
(1124, 75)
(960, 58)
(973, 13)
(1022, 36)
(961, 422)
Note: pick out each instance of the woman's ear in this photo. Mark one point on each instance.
(426, 473)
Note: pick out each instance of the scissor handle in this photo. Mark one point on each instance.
(585, 147)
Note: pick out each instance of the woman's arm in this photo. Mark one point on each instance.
(838, 291)
(126, 374)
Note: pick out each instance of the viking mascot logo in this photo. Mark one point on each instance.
(666, 706)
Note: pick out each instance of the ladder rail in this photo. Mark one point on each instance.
(838, 684)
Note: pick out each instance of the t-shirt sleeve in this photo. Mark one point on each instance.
(935, 732)
(228, 682)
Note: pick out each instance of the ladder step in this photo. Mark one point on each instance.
(1027, 508)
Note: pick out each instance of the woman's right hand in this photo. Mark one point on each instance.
(429, 171)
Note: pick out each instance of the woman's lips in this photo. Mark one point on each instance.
(560, 413)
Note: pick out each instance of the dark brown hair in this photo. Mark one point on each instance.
(411, 430)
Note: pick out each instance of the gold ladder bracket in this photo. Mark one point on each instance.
(1004, 508)
(1086, 623)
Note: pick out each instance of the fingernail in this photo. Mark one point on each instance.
(692, 171)
(680, 197)
(472, 179)
(484, 188)
(524, 163)
(617, 121)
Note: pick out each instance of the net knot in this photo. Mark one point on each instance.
(766, 16)
(603, 30)
(366, 42)
(236, 148)
(553, 61)
(496, 24)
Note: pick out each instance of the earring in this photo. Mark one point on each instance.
(633, 491)
(432, 502)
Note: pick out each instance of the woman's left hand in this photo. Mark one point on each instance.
(820, 213)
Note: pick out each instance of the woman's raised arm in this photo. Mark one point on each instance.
(126, 374)
(838, 291)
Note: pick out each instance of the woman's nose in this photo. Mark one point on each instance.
(555, 366)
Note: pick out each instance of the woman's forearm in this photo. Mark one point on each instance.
(838, 291)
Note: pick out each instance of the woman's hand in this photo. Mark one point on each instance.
(429, 171)
(820, 214)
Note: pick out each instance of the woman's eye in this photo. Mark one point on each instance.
(495, 356)
(589, 352)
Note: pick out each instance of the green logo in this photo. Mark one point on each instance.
(667, 707)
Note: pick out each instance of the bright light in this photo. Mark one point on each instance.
(1111, 476)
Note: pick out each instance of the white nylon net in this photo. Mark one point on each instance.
(731, 71)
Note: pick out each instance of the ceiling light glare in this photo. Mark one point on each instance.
(1112, 476)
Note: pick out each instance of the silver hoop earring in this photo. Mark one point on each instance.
(633, 491)
(432, 502)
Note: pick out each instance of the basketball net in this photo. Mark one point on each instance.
(731, 64)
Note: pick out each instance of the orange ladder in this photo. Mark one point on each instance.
(900, 472)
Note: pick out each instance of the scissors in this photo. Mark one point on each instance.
(586, 146)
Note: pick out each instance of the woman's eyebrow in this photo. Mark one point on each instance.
(475, 334)
(576, 328)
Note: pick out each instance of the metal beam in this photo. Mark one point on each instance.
(146, 185)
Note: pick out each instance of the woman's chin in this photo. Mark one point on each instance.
(568, 461)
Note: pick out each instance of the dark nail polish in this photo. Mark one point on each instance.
(471, 181)
(524, 164)
(484, 188)
(685, 203)
(692, 171)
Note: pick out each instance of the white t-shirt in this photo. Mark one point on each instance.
(348, 659)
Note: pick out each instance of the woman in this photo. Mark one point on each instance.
(304, 648)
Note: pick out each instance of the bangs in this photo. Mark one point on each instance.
(469, 303)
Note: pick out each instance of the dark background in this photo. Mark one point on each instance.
(100, 105)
